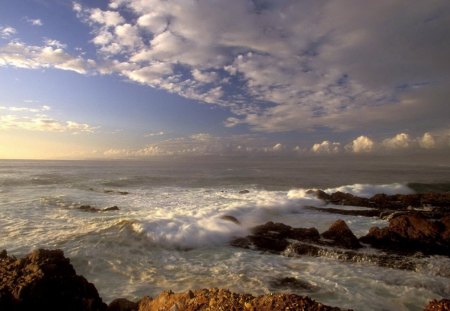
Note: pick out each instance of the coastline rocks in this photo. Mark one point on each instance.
(273, 237)
(88, 208)
(341, 235)
(441, 305)
(411, 233)
(45, 280)
(221, 299)
(244, 191)
(383, 201)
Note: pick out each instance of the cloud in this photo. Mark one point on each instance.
(399, 141)
(18, 54)
(34, 22)
(42, 123)
(361, 144)
(7, 31)
(427, 141)
(286, 65)
(153, 134)
(326, 147)
(35, 119)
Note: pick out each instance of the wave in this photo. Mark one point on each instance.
(369, 190)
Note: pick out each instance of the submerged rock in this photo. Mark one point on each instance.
(45, 280)
(292, 284)
(230, 218)
(88, 208)
(244, 191)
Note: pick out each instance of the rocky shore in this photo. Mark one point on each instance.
(419, 225)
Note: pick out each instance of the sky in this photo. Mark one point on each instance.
(137, 79)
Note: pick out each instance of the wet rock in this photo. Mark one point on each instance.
(292, 284)
(366, 213)
(116, 192)
(441, 305)
(384, 260)
(230, 218)
(122, 304)
(383, 201)
(45, 280)
(112, 208)
(220, 299)
(411, 233)
(88, 208)
(244, 191)
(341, 235)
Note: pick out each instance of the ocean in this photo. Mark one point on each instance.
(168, 232)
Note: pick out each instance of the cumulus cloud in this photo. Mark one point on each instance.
(153, 134)
(399, 141)
(286, 65)
(361, 144)
(7, 31)
(326, 147)
(427, 141)
(18, 54)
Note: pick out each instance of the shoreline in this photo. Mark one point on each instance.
(418, 224)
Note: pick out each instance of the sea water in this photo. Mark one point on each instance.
(168, 232)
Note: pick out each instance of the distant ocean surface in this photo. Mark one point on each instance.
(168, 234)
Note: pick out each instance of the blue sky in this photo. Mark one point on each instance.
(145, 78)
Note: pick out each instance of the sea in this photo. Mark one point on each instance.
(168, 232)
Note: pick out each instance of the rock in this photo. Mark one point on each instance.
(112, 208)
(292, 284)
(273, 237)
(122, 304)
(244, 192)
(341, 235)
(366, 213)
(441, 305)
(45, 280)
(220, 299)
(230, 218)
(88, 208)
(411, 233)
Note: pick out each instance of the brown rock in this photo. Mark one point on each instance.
(441, 305)
(45, 280)
(410, 233)
(122, 304)
(341, 235)
(230, 218)
(220, 299)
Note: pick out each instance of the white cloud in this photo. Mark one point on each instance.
(7, 31)
(42, 123)
(35, 119)
(18, 54)
(296, 65)
(326, 147)
(34, 21)
(362, 144)
(399, 141)
(152, 134)
(427, 141)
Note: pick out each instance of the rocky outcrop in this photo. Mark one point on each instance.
(441, 305)
(411, 233)
(221, 299)
(45, 280)
(383, 201)
(341, 235)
